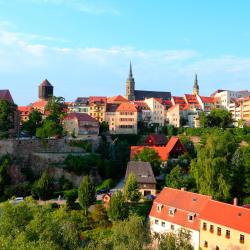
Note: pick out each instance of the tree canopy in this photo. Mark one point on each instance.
(131, 190)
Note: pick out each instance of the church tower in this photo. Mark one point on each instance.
(130, 85)
(196, 86)
(45, 90)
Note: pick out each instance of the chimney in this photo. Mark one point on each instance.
(235, 202)
(183, 189)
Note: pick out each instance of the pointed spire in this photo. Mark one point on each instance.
(130, 71)
(196, 86)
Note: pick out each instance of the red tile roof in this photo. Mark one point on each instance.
(206, 99)
(39, 104)
(93, 99)
(141, 105)
(178, 100)
(184, 202)
(127, 106)
(163, 151)
(6, 96)
(115, 99)
(24, 108)
(228, 215)
(80, 117)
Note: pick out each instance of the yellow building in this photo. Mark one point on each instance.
(97, 108)
(224, 227)
(245, 108)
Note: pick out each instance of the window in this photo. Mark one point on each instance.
(204, 226)
(156, 222)
(163, 224)
(171, 211)
(191, 217)
(205, 244)
(172, 227)
(159, 207)
(218, 231)
(228, 234)
(211, 228)
(242, 239)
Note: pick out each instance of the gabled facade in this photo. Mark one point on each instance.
(175, 209)
(156, 140)
(144, 176)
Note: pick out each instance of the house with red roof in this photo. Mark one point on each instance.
(224, 226)
(173, 149)
(24, 112)
(81, 125)
(175, 209)
(144, 112)
(122, 118)
(116, 99)
(156, 140)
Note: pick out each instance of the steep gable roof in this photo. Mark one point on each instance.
(228, 215)
(100, 99)
(116, 99)
(127, 106)
(158, 139)
(183, 202)
(6, 96)
(24, 108)
(142, 170)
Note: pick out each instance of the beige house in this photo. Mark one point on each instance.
(81, 125)
(144, 176)
(224, 226)
(173, 116)
(122, 118)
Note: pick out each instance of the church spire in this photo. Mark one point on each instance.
(130, 76)
(130, 85)
(196, 85)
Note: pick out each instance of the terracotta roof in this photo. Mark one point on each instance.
(140, 105)
(191, 99)
(167, 102)
(158, 100)
(178, 100)
(228, 215)
(206, 99)
(142, 170)
(24, 108)
(115, 99)
(102, 99)
(39, 104)
(184, 203)
(127, 106)
(163, 151)
(80, 117)
(6, 96)
(46, 83)
(173, 107)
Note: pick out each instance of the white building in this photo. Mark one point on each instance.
(175, 209)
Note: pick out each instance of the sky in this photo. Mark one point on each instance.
(83, 47)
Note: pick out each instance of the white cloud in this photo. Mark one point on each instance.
(91, 7)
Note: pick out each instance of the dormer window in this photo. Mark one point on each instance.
(159, 208)
(171, 211)
(191, 217)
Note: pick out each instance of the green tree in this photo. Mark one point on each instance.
(104, 127)
(246, 164)
(151, 156)
(118, 208)
(4, 178)
(48, 129)
(6, 118)
(86, 193)
(55, 108)
(43, 188)
(99, 216)
(131, 190)
(132, 234)
(219, 118)
(203, 119)
(71, 196)
(34, 122)
(175, 241)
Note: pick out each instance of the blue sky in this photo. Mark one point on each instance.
(83, 47)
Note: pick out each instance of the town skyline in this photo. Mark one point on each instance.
(86, 47)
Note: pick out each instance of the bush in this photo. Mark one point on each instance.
(71, 196)
(86, 145)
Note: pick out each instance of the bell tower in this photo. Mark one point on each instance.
(130, 85)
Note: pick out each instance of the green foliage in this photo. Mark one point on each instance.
(175, 241)
(99, 216)
(169, 130)
(55, 108)
(130, 234)
(6, 118)
(118, 208)
(106, 184)
(177, 178)
(86, 145)
(151, 156)
(43, 188)
(49, 129)
(64, 183)
(71, 196)
(219, 118)
(4, 178)
(104, 127)
(86, 193)
(35, 121)
(131, 190)
(203, 119)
